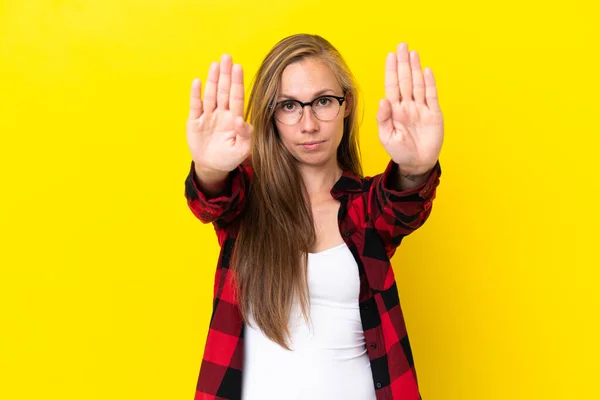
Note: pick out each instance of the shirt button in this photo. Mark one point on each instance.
(347, 233)
(378, 385)
(335, 191)
(373, 345)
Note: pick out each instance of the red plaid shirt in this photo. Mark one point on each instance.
(373, 220)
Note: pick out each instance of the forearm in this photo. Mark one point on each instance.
(217, 197)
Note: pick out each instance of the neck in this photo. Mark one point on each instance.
(320, 179)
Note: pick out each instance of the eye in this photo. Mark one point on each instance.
(324, 101)
(288, 106)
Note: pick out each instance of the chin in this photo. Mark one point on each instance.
(313, 160)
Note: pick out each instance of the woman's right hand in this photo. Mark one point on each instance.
(217, 135)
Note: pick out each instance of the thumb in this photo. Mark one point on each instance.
(243, 129)
(384, 120)
(384, 114)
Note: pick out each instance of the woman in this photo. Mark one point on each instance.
(305, 301)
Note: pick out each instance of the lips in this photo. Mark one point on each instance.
(309, 143)
(312, 146)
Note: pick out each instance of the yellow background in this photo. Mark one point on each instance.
(106, 276)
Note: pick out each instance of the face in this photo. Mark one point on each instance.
(310, 140)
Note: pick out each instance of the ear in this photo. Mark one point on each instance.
(347, 105)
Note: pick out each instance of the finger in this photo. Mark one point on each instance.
(431, 93)
(210, 91)
(384, 117)
(236, 102)
(417, 78)
(392, 90)
(195, 100)
(404, 74)
(224, 83)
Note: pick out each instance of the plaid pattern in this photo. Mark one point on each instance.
(373, 220)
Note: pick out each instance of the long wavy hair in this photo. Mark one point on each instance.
(276, 228)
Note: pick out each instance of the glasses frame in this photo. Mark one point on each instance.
(341, 100)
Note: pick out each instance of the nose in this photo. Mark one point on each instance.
(308, 120)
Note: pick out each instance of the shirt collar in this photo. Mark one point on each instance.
(348, 182)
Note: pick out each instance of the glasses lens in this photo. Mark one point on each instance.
(288, 112)
(326, 108)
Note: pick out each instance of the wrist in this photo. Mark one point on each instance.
(414, 175)
(210, 180)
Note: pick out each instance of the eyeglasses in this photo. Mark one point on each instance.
(324, 108)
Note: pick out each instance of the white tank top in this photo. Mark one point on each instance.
(329, 357)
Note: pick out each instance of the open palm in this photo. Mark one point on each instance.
(217, 135)
(411, 126)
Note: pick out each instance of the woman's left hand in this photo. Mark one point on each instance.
(411, 126)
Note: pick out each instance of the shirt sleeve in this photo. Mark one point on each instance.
(223, 209)
(395, 214)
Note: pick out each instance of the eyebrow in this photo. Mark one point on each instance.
(317, 94)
